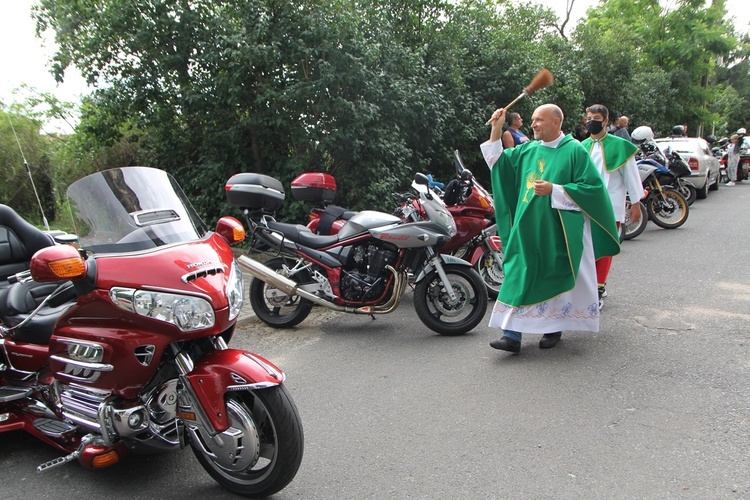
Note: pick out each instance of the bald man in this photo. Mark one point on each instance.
(555, 218)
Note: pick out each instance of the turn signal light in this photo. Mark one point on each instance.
(68, 268)
(105, 460)
(230, 229)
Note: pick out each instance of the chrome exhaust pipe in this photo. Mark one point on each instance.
(289, 287)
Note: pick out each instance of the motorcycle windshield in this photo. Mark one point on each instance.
(131, 209)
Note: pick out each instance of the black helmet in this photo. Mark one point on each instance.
(678, 130)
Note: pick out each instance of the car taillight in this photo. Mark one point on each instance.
(693, 163)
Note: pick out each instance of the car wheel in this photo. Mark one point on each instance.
(703, 192)
(715, 185)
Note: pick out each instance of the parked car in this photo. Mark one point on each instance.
(704, 166)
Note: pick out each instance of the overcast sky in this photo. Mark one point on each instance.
(24, 58)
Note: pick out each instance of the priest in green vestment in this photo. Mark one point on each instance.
(555, 218)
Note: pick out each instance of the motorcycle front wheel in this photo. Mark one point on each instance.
(274, 307)
(439, 313)
(628, 229)
(261, 451)
(668, 210)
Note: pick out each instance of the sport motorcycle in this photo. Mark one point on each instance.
(364, 268)
(476, 240)
(665, 206)
(126, 350)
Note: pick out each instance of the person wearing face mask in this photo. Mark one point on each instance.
(615, 159)
(554, 218)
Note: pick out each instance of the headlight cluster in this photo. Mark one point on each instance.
(235, 290)
(184, 311)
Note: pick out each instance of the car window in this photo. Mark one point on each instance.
(679, 146)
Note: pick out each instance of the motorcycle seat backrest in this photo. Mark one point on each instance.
(19, 241)
(302, 235)
(331, 214)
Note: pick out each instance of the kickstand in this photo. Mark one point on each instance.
(372, 316)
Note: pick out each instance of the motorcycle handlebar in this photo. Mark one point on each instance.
(18, 277)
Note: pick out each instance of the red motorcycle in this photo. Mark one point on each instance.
(129, 352)
(469, 203)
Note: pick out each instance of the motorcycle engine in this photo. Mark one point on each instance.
(365, 275)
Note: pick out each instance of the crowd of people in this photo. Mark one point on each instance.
(559, 202)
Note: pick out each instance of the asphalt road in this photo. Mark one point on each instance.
(656, 405)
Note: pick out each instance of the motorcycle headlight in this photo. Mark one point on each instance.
(184, 311)
(235, 290)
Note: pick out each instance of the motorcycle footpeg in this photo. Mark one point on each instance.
(58, 462)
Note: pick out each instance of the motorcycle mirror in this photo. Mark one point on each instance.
(58, 262)
(421, 179)
(230, 229)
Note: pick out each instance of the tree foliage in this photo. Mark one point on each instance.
(371, 92)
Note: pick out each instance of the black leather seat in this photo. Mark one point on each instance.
(302, 235)
(23, 298)
(19, 241)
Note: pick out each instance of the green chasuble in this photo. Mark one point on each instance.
(616, 150)
(542, 245)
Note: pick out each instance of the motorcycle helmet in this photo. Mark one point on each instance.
(678, 130)
(741, 131)
(642, 134)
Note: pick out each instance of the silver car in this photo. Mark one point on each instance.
(696, 152)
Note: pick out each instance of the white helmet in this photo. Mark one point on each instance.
(642, 133)
(741, 130)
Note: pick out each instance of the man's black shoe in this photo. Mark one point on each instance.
(549, 340)
(506, 344)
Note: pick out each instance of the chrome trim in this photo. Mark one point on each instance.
(273, 373)
(98, 367)
(144, 353)
(251, 387)
(122, 297)
(201, 273)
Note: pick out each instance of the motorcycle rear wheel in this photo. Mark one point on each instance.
(261, 451)
(442, 315)
(491, 272)
(688, 192)
(628, 230)
(274, 307)
(669, 211)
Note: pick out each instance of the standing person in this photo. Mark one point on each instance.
(615, 159)
(622, 128)
(513, 136)
(733, 157)
(580, 133)
(554, 218)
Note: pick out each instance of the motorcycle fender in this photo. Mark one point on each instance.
(228, 370)
(447, 259)
(492, 241)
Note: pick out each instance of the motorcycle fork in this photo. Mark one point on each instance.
(436, 262)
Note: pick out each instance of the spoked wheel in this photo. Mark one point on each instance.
(668, 210)
(629, 229)
(274, 307)
(260, 452)
(448, 316)
(490, 270)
